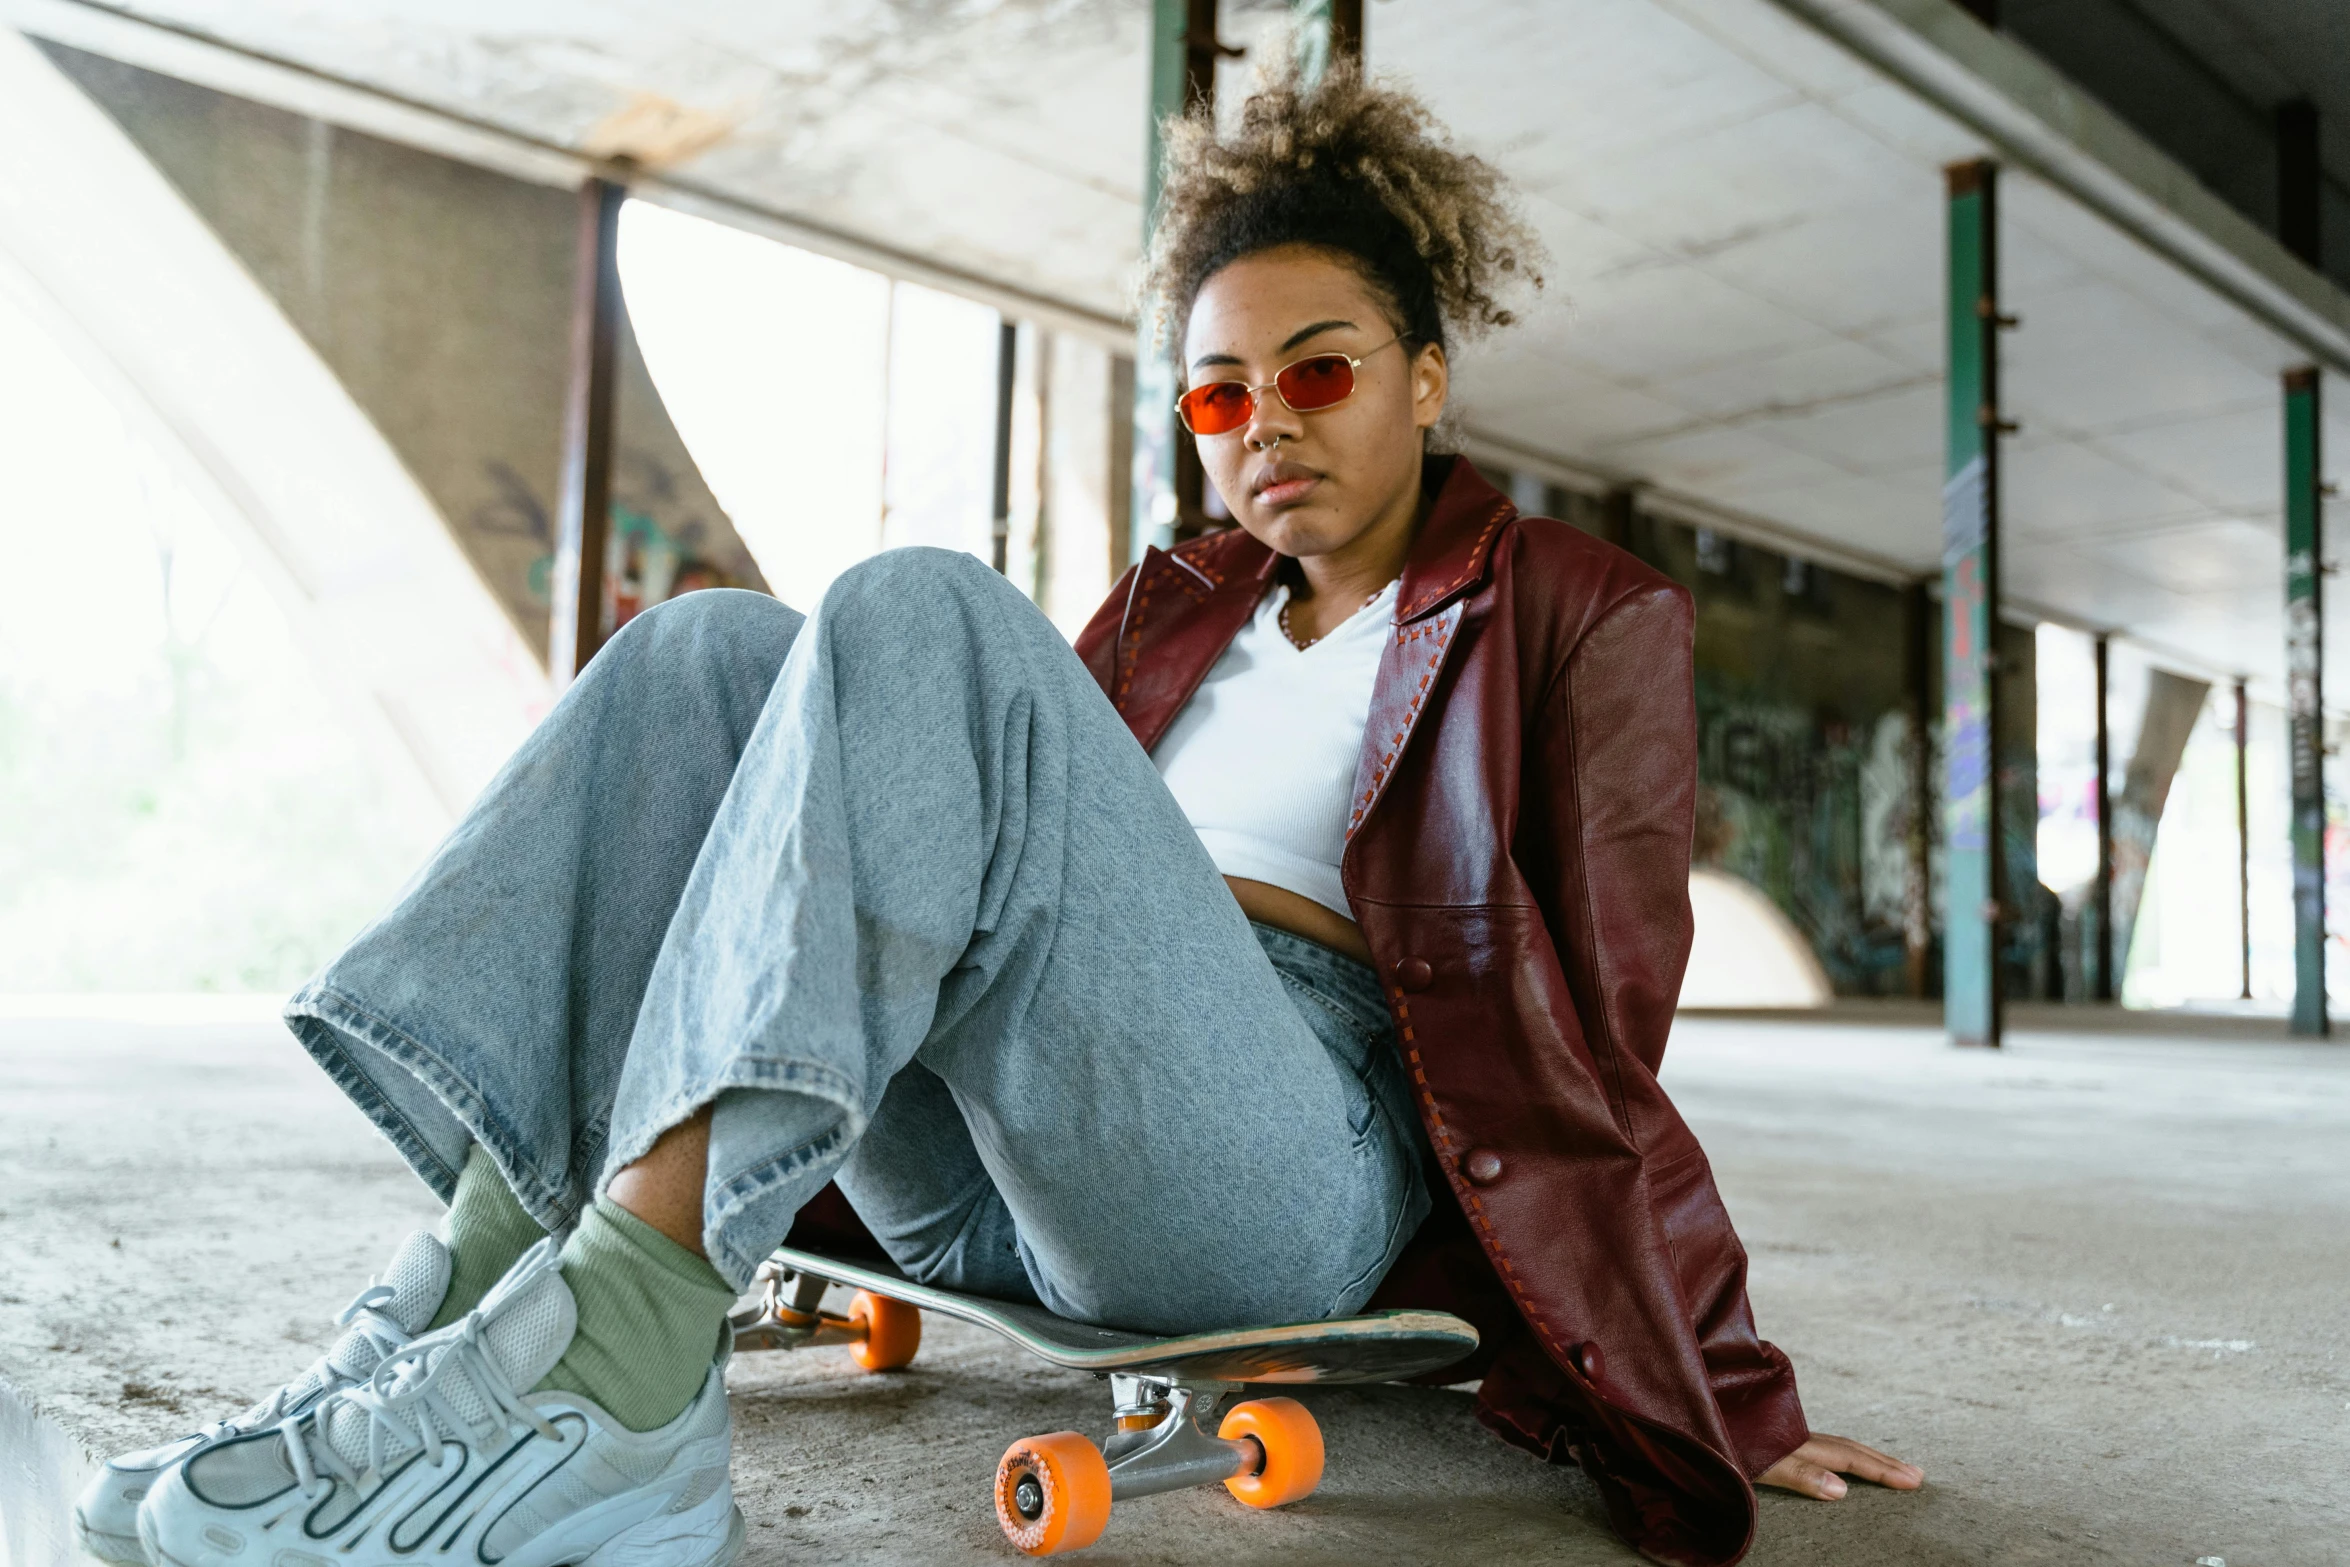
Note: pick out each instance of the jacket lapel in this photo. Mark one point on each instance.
(1182, 610)
(1407, 673)
(1447, 563)
(1448, 559)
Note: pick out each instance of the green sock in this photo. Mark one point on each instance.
(485, 1229)
(649, 1312)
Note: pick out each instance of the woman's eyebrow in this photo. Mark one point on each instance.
(1300, 336)
(1288, 343)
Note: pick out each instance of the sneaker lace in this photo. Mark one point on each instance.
(329, 1371)
(410, 1412)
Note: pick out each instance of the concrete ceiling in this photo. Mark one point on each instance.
(1745, 222)
(2203, 80)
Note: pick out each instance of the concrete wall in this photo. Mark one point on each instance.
(439, 294)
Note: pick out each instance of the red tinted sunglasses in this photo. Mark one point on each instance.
(1308, 386)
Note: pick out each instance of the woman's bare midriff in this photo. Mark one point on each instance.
(1300, 916)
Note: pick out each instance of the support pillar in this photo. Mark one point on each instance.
(2101, 954)
(1007, 367)
(1616, 510)
(578, 621)
(2244, 836)
(1327, 30)
(1183, 55)
(1917, 892)
(1973, 876)
(2300, 181)
(2304, 678)
(1168, 487)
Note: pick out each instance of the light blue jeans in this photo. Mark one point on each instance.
(894, 889)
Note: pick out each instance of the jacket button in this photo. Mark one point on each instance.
(1482, 1166)
(1587, 1361)
(1414, 974)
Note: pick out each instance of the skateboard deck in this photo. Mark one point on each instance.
(1053, 1492)
(1382, 1347)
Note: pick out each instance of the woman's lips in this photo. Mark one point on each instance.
(1282, 483)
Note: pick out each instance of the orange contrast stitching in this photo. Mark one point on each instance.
(1200, 565)
(1446, 1142)
(1476, 554)
(1443, 634)
(1132, 651)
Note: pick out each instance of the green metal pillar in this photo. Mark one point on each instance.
(1327, 30)
(1183, 57)
(1972, 875)
(2305, 686)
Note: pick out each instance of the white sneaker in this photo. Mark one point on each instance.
(381, 1319)
(442, 1452)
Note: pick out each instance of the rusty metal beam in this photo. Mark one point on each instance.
(2243, 739)
(1007, 367)
(1917, 913)
(2101, 954)
(579, 619)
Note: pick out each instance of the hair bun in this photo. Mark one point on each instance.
(1347, 165)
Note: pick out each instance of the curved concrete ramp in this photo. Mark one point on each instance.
(207, 370)
(1746, 952)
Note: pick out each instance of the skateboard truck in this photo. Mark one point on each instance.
(882, 1334)
(1159, 1444)
(1053, 1493)
(787, 1317)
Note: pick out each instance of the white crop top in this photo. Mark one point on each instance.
(1263, 757)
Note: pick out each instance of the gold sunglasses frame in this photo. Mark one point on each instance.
(1353, 362)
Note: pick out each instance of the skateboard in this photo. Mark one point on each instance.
(1053, 1492)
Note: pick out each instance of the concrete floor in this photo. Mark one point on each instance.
(2094, 1284)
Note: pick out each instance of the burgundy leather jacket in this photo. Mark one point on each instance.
(1518, 859)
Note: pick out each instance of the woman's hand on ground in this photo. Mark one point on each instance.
(1817, 1468)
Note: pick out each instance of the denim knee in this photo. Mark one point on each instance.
(729, 623)
(922, 589)
(711, 655)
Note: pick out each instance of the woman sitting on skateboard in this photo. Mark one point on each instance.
(1305, 940)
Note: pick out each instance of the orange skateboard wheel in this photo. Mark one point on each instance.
(1292, 1444)
(1052, 1494)
(893, 1331)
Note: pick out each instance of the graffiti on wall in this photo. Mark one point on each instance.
(1814, 810)
(1809, 771)
(659, 545)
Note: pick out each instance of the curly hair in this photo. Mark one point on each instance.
(1346, 166)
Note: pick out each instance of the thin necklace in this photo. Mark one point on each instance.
(1282, 617)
